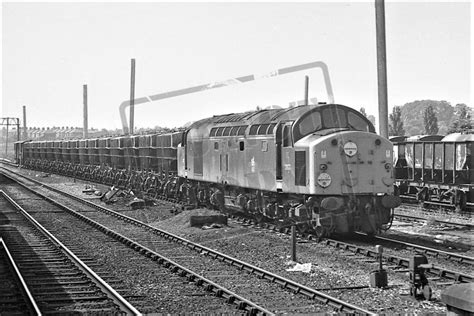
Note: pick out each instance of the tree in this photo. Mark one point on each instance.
(412, 115)
(371, 118)
(462, 119)
(395, 127)
(430, 120)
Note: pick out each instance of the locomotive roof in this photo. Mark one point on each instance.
(255, 117)
(266, 116)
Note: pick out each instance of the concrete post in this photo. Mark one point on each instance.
(25, 131)
(132, 98)
(85, 133)
(381, 67)
(306, 90)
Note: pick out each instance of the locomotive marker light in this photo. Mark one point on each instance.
(350, 148)
(324, 180)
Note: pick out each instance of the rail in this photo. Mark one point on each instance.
(124, 305)
(430, 251)
(460, 277)
(175, 267)
(286, 283)
(440, 272)
(32, 306)
(416, 218)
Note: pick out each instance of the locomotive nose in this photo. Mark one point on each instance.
(354, 162)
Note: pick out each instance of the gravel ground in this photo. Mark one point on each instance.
(146, 284)
(330, 268)
(442, 215)
(266, 294)
(435, 235)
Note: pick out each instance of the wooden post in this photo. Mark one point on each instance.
(293, 243)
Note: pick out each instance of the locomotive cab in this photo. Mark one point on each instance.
(345, 167)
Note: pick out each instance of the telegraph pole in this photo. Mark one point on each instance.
(25, 132)
(85, 133)
(306, 90)
(381, 67)
(132, 97)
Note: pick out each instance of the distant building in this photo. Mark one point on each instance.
(58, 133)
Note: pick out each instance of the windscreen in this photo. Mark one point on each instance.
(330, 118)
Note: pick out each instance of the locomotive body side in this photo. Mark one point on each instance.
(323, 165)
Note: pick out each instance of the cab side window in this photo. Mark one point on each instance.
(286, 136)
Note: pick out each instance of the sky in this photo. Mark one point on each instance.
(50, 50)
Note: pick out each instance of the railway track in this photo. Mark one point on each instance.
(412, 199)
(426, 250)
(402, 262)
(218, 268)
(433, 252)
(411, 218)
(58, 280)
(61, 219)
(15, 297)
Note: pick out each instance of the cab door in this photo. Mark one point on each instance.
(284, 172)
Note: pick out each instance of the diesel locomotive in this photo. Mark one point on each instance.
(320, 167)
(435, 169)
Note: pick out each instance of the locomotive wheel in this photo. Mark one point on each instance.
(320, 231)
(303, 228)
(258, 218)
(460, 201)
(423, 195)
(427, 292)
